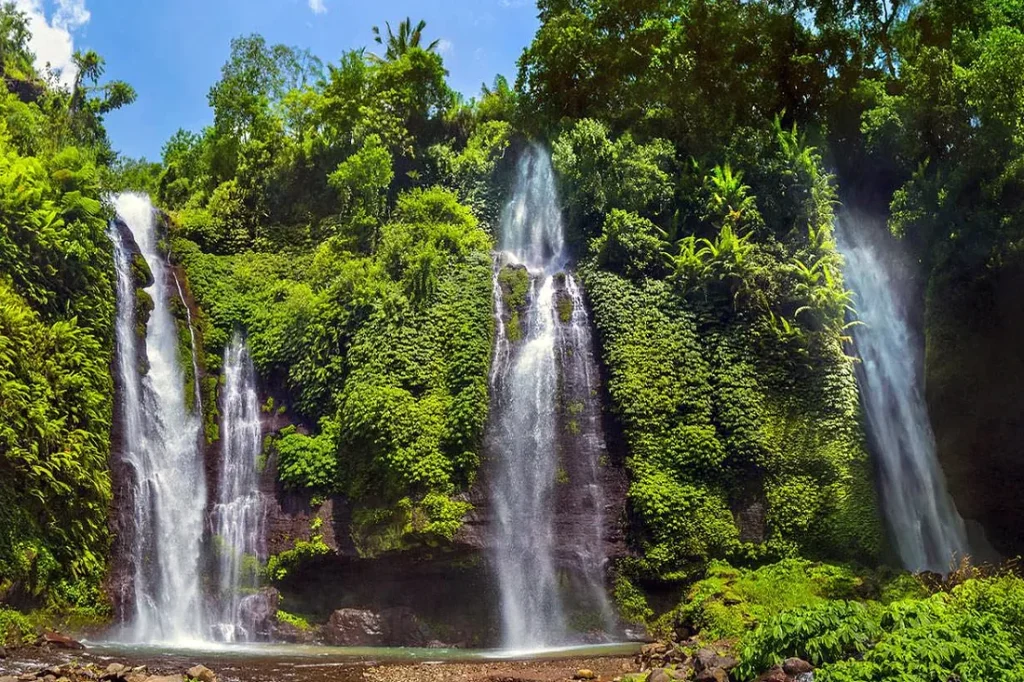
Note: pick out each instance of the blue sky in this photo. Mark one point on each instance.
(171, 51)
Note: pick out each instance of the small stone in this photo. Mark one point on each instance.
(581, 674)
(3, 653)
(114, 671)
(712, 675)
(136, 676)
(796, 666)
(202, 673)
(805, 677)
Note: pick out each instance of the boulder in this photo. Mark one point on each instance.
(402, 627)
(796, 666)
(776, 674)
(659, 675)
(257, 611)
(201, 673)
(712, 675)
(354, 627)
(391, 627)
(704, 659)
(58, 641)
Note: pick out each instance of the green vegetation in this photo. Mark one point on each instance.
(15, 628)
(297, 622)
(343, 216)
(971, 632)
(335, 215)
(56, 329)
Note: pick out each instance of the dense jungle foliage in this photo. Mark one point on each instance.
(342, 215)
(56, 329)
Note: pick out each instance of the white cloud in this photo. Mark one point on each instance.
(71, 14)
(318, 6)
(444, 46)
(52, 41)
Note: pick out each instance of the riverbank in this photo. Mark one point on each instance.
(28, 665)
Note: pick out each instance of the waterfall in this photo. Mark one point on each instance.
(162, 438)
(533, 374)
(239, 512)
(925, 527)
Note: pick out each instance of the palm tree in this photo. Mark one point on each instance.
(397, 44)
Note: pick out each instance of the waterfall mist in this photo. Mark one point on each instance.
(925, 527)
(162, 436)
(535, 377)
(239, 513)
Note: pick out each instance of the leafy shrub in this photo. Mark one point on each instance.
(304, 551)
(629, 244)
(15, 628)
(819, 633)
(729, 601)
(307, 461)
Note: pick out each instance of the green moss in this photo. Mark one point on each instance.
(143, 309)
(565, 309)
(430, 522)
(514, 328)
(295, 621)
(632, 603)
(141, 274)
(514, 281)
(561, 476)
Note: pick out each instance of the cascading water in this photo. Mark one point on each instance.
(926, 529)
(239, 513)
(543, 357)
(161, 436)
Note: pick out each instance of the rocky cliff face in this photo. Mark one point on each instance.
(975, 392)
(119, 578)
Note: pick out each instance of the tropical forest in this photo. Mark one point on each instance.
(686, 349)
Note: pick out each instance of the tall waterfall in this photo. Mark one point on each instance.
(161, 437)
(536, 363)
(926, 529)
(239, 513)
